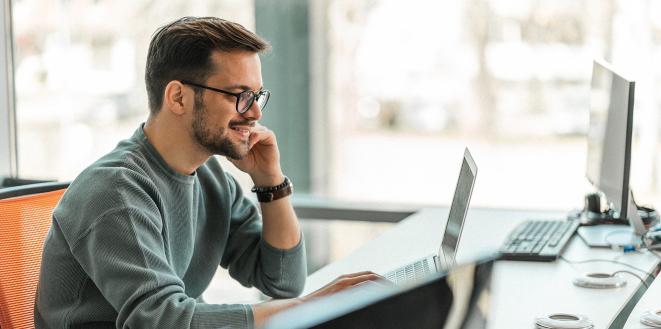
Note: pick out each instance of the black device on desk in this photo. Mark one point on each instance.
(604, 227)
(538, 240)
(598, 212)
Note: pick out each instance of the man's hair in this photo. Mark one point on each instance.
(182, 50)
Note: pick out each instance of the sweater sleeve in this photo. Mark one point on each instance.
(124, 255)
(250, 260)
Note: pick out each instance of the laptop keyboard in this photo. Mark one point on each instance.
(412, 272)
(538, 240)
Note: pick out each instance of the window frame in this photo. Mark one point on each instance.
(8, 147)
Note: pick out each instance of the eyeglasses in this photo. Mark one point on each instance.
(244, 99)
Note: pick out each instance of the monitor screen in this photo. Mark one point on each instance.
(609, 136)
(456, 299)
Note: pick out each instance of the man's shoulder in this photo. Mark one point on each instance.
(95, 181)
(128, 155)
(119, 169)
(114, 182)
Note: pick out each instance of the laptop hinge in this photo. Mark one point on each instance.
(437, 263)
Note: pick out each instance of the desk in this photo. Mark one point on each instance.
(521, 290)
(650, 301)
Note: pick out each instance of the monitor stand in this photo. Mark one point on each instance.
(614, 235)
(608, 235)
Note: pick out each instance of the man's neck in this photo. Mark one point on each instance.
(175, 145)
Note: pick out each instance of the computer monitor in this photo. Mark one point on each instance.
(610, 135)
(459, 298)
(609, 149)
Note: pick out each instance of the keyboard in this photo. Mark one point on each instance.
(412, 272)
(538, 240)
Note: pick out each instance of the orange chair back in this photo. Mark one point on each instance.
(24, 223)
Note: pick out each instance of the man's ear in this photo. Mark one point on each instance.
(174, 96)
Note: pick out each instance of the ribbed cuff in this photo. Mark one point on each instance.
(250, 317)
(222, 316)
(286, 268)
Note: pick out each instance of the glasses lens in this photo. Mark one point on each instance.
(245, 101)
(263, 98)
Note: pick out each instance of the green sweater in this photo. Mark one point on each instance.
(134, 244)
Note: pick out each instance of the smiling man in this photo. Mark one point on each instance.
(139, 234)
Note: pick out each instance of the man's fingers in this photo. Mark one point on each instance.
(359, 277)
(348, 281)
(351, 275)
(351, 281)
(258, 134)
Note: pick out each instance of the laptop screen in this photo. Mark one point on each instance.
(458, 210)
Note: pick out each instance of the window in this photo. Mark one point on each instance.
(412, 83)
(79, 75)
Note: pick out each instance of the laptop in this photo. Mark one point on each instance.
(459, 298)
(445, 258)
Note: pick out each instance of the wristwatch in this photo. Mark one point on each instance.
(272, 193)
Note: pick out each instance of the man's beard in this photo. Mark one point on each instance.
(214, 141)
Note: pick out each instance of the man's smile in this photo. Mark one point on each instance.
(241, 130)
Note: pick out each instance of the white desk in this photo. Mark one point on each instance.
(522, 291)
(651, 301)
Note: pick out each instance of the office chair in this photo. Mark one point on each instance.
(25, 217)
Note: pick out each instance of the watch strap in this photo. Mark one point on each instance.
(275, 195)
(272, 193)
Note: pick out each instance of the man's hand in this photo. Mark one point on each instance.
(262, 162)
(344, 282)
(264, 310)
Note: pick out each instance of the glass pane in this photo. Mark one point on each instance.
(414, 82)
(80, 74)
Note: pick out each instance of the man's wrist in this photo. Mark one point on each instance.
(274, 192)
(268, 180)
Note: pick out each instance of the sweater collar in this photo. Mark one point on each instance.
(140, 138)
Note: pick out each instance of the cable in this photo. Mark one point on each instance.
(603, 260)
(627, 247)
(634, 274)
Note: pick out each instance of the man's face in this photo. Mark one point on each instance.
(217, 126)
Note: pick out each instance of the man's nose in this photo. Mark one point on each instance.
(254, 112)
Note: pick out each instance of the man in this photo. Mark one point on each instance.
(139, 234)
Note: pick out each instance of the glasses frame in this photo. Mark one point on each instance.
(253, 95)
